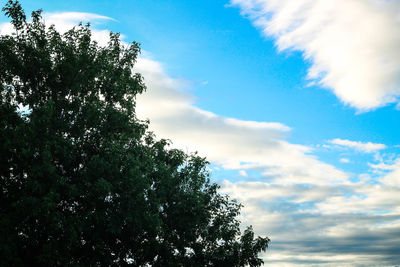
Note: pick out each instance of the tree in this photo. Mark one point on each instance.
(83, 182)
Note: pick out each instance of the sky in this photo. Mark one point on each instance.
(294, 103)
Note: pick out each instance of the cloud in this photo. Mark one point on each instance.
(243, 173)
(353, 46)
(359, 146)
(73, 17)
(234, 144)
(391, 179)
(344, 160)
(353, 224)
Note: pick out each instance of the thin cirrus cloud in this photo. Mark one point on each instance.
(367, 147)
(353, 46)
(74, 17)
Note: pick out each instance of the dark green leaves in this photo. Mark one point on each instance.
(14, 10)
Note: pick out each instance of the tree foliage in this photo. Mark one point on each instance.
(83, 182)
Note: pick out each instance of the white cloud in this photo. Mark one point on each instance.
(344, 160)
(353, 45)
(359, 146)
(73, 17)
(6, 28)
(243, 173)
(391, 179)
(232, 143)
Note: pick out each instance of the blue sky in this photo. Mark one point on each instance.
(295, 103)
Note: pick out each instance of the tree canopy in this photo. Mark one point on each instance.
(83, 182)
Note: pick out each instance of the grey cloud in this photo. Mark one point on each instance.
(303, 234)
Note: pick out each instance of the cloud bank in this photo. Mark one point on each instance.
(357, 224)
(353, 46)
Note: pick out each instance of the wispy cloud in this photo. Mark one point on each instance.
(344, 160)
(353, 45)
(357, 145)
(74, 17)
